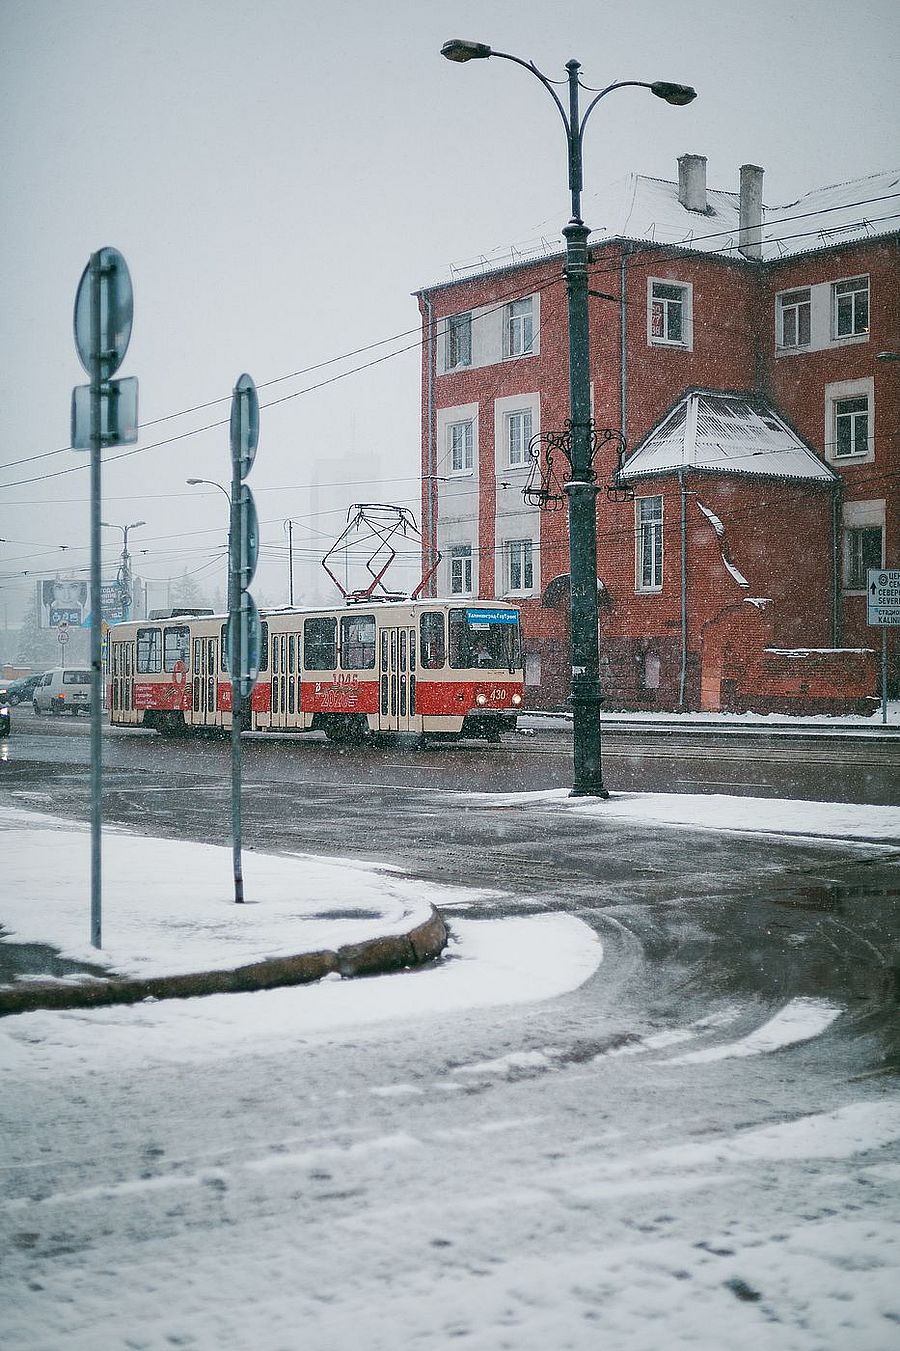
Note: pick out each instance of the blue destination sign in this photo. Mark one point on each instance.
(491, 616)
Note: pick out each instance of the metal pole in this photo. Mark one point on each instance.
(291, 559)
(126, 574)
(884, 647)
(96, 606)
(235, 667)
(581, 490)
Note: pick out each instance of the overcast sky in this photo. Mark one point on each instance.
(282, 176)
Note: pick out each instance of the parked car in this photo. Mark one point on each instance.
(5, 721)
(20, 691)
(67, 689)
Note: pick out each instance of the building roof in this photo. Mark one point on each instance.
(735, 434)
(647, 210)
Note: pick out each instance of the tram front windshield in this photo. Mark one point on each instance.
(485, 639)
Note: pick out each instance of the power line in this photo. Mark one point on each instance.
(597, 271)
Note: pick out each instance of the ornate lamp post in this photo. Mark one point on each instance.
(579, 443)
(125, 569)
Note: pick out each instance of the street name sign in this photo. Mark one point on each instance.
(883, 596)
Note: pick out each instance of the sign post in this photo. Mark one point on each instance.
(883, 611)
(242, 640)
(104, 413)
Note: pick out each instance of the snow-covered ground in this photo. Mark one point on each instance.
(423, 1160)
(880, 717)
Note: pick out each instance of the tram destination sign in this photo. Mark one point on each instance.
(481, 617)
(883, 596)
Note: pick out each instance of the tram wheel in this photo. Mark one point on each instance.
(346, 729)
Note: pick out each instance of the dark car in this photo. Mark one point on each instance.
(19, 691)
(5, 724)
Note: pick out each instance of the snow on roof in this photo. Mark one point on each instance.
(727, 434)
(647, 210)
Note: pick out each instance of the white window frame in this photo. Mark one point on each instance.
(453, 322)
(519, 328)
(519, 560)
(791, 309)
(852, 287)
(461, 570)
(835, 396)
(856, 517)
(648, 532)
(466, 427)
(686, 304)
(517, 434)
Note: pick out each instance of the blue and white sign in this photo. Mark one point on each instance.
(479, 617)
(883, 596)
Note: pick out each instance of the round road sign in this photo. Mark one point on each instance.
(110, 344)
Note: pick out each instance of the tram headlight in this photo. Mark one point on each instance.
(481, 700)
(516, 700)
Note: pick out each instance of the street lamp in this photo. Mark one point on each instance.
(125, 568)
(211, 483)
(580, 442)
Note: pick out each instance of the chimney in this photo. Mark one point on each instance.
(692, 182)
(751, 212)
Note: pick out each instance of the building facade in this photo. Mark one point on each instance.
(746, 359)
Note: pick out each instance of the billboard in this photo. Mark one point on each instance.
(62, 600)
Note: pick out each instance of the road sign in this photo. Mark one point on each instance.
(244, 425)
(883, 596)
(116, 314)
(248, 536)
(118, 414)
(62, 634)
(251, 645)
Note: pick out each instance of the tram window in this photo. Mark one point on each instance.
(198, 648)
(431, 639)
(264, 645)
(493, 646)
(320, 644)
(275, 654)
(149, 651)
(224, 647)
(358, 642)
(403, 649)
(292, 650)
(177, 647)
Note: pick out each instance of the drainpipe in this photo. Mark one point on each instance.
(684, 629)
(836, 514)
(429, 523)
(623, 348)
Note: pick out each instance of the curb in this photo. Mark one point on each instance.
(371, 957)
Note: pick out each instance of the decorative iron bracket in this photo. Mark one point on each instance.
(543, 487)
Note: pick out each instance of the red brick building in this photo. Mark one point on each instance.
(747, 358)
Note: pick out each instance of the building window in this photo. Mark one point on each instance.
(669, 313)
(649, 520)
(862, 550)
(520, 328)
(850, 307)
(462, 442)
(518, 435)
(520, 565)
(461, 570)
(851, 427)
(459, 341)
(794, 310)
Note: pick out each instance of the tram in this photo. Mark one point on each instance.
(436, 668)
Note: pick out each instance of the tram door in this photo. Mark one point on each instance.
(122, 676)
(205, 662)
(397, 679)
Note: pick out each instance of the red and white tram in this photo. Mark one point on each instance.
(435, 668)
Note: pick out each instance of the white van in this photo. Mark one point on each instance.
(65, 690)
